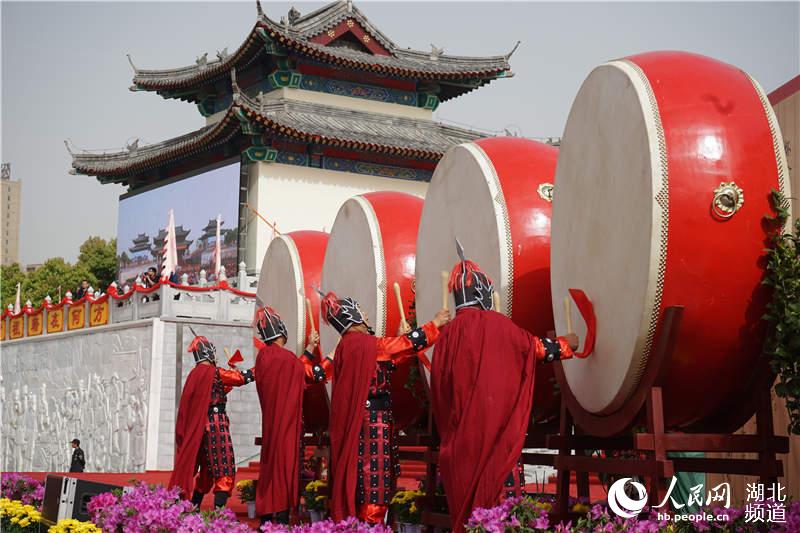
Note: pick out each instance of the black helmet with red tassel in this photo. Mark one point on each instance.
(469, 284)
(202, 349)
(269, 324)
(341, 313)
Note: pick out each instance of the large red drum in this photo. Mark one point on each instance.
(291, 270)
(373, 245)
(664, 178)
(495, 196)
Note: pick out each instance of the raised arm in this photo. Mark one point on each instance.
(558, 349)
(398, 348)
(316, 372)
(235, 378)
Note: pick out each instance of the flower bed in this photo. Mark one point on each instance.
(154, 509)
(22, 488)
(327, 526)
(70, 525)
(531, 515)
(17, 517)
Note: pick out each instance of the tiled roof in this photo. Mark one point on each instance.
(287, 118)
(297, 36)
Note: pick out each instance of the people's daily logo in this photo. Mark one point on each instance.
(622, 504)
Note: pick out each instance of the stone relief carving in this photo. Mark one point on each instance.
(91, 387)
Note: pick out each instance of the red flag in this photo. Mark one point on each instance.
(235, 358)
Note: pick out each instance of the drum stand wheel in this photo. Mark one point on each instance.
(652, 447)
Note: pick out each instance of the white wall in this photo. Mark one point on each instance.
(305, 198)
(88, 384)
(113, 387)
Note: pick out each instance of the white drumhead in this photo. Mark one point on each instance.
(354, 266)
(280, 286)
(464, 200)
(605, 230)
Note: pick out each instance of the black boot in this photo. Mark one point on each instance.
(197, 498)
(220, 499)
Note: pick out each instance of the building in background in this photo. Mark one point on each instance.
(9, 245)
(316, 108)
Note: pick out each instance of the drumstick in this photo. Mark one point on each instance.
(400, 305)
(568, 315)
(310, 315)
(445, 292)
(496, 301)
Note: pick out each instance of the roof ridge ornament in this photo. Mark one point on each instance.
(511, 53)
(133, 146)
(258, 8)
(235, 86)
(135, 70)
(294, 14)
(66, 143)
(349, 6)
(202, 60)
(222, 55)
(436, 52)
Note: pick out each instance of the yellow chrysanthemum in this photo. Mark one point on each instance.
(580, 508)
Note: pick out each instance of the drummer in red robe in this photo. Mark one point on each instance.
(281, 378)
(202, 433)
(364, 462)
(482, 379)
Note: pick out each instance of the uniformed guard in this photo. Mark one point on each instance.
(78, 457)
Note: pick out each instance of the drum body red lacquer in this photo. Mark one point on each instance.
(291, 270)
(664, 174)
(373, 245)
(495, 196)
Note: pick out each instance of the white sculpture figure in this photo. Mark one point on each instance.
(16, 432)
(116, 395)
(32, 430)
(129, 422)
(135, 425)
(102, 463)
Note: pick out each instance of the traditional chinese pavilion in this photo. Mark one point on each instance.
(316, 107)
(140, 248)
(181, 243)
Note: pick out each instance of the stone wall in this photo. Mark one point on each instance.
(114, 387)
(92, 385)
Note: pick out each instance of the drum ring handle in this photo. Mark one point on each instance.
(545, 191)
(728, 199)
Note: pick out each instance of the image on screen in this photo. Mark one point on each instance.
(196, 201)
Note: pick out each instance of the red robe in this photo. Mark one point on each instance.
(281, 377)
(189, 428)
(355, 365)
(353, 373)
(482, 380)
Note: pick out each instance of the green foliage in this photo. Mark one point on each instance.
(97, 263)
(99, 257)
(55, 273)
(10, 275)
(783, 312)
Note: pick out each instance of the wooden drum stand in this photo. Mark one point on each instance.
(651, 447)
